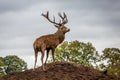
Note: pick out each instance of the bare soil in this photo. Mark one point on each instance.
(61, 71)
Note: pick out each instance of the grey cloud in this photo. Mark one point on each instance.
(93, 14)
(15, 5)
(97, 12)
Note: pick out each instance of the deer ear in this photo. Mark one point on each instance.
(56, 26)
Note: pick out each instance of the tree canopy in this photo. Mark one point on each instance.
(11, 64)
(1, 66)
(78, 52)
(111, 58)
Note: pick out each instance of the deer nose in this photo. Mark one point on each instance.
(68, 30)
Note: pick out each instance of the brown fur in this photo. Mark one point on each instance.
(49, 42)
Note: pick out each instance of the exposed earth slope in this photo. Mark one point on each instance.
(61, 71)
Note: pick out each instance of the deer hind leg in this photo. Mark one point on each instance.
(36, 54)
(42, 57)
(47, 55)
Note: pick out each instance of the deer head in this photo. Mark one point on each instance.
(61, 23)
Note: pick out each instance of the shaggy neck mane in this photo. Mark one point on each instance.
(61, 35)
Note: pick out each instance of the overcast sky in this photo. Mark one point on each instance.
(95, 21)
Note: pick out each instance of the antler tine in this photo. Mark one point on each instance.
(60, 15)
(54, 18)
(47, 17)
(64, 18)
(64, 15)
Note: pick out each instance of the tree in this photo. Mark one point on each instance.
(14, 64)
(111, 58)
(1, 67)
(78, 52)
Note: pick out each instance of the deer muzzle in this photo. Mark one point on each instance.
(68, 30)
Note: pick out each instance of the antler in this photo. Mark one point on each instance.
(64, 18)
(47, 17)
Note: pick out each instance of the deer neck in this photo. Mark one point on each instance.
(60, 35)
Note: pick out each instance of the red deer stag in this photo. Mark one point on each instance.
(50, 41)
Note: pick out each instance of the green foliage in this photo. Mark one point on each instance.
(11, 64)
(1, 67)
(78, 52)
(112, 57)
(14, 64)
(1, 61)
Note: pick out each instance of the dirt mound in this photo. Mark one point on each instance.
(61, 71)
